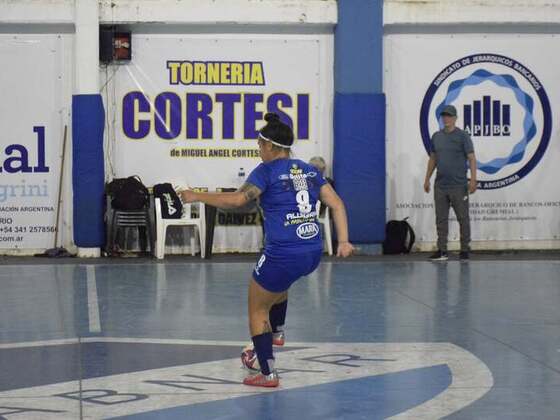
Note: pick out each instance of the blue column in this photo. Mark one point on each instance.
(359, 118)
(88, 174)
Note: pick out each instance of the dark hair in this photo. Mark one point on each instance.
(277, 131)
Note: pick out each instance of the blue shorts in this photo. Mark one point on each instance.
(277, 273)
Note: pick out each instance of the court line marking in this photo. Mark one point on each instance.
(54, 342)
(179, 341)
(471, 378)
(251, 262)
(66, 341)
(92, 300)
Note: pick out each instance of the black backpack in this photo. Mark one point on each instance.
(128, 194)
(399, 237)
(171, 205)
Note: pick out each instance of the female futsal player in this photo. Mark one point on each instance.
(288, 190)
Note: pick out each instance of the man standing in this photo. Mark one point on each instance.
(451, 148)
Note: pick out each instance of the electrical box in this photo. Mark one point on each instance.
(115, 45)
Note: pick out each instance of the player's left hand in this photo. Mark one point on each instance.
(187, 196)
(472, 186)
(345, 249)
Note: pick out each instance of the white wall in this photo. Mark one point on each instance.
(238, 12)
(441, 12)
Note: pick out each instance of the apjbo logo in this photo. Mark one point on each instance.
(502, 105)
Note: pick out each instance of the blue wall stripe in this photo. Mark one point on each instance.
(359, 118)
(88, 173)
(359, 47)
(359, 163)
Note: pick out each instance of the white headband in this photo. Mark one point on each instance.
(273, 142)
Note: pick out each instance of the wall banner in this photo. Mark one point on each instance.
(31, 117)
(505, 92)
(189, 110)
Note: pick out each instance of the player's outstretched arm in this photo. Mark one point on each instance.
(224, 200)
(330, 198)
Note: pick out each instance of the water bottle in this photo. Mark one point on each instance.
(240, 177)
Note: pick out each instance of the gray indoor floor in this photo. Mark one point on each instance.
(368, 338)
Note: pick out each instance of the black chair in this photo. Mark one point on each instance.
(211, 213)
(120, 220)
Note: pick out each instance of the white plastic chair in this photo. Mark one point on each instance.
(325, 220)
(186, 220)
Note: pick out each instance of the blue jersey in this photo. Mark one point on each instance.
(290, 190)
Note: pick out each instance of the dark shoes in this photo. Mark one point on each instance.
(443, 256)
(439, 256)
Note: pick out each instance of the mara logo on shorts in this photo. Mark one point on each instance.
(307, 230)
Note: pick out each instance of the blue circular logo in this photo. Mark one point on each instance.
(492, 119)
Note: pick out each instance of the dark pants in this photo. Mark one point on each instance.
(458, 198)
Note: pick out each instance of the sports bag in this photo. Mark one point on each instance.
(399, 237)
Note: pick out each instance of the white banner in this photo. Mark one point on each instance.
(31, 117)
(506, 90)
(187, 110)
